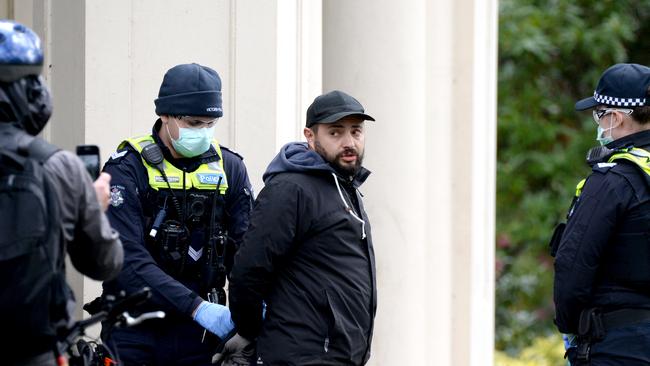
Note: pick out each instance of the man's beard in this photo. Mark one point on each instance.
(334, 161)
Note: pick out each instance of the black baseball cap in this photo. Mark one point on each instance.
(621, 85)
(333, 106)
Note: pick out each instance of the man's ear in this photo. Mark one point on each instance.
(309, 135)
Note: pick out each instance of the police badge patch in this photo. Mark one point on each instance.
(116, 196)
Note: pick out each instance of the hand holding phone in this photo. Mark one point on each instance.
(89, 155)
(103, 190)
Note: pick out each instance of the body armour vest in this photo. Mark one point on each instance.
(184, 213)
(626, 262)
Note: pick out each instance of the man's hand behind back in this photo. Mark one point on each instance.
(238, 351)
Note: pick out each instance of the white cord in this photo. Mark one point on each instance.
(349, 209)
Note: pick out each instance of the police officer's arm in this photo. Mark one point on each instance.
(94, 247)
(238, 199)
(126, 216)
(602, 203)
(274, 229)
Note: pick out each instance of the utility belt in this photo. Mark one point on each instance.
(593, 326)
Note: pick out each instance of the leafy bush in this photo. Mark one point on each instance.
(544, 351)
(551, 54)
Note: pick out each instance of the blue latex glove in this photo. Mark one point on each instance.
(570, 341)
(565, 339)
(215, 318)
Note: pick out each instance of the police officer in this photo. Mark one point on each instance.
(602, 265)
(35, 301)
(181, 203)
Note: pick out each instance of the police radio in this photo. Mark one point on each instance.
(598, 154)
(153, 155)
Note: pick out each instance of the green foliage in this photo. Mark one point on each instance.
(551, 54)
(544, 351)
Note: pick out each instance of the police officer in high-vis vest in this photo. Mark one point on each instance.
(181, 203)
(602, 263)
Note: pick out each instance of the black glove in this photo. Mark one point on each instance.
(238, 351)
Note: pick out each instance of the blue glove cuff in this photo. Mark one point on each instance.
(201, 308)
(215, 318)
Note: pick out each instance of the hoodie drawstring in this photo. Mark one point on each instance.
(349, 209)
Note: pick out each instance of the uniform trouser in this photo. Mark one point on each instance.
(162, 342)
(623, 346)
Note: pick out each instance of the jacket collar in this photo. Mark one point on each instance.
(360, 177)
(639, 139)
(357, 180)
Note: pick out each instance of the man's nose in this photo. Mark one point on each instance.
(348, 140)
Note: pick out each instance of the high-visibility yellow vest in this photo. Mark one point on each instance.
(206, 177)
(638, 156)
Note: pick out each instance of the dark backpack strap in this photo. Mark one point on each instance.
(62, 297)
(37, 149)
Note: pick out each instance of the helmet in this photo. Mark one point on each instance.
(20, 51)
(24, 97)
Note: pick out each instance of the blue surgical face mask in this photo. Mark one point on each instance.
(192, 142)
(604, 140)
(600, 134)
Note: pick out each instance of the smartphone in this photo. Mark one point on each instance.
(89, 154)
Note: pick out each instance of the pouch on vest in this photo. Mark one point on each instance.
(590, 324)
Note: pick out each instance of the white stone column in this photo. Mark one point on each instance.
(6, 9)
(277, 68)
(427, 73)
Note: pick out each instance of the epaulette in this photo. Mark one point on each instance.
(603, 167)
(119, 154)
(232, 151)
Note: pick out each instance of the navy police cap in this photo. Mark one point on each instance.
(621, 85)
(190, 90)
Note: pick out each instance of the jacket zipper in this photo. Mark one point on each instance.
(372, 278)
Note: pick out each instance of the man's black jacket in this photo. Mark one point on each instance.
(312, 261)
